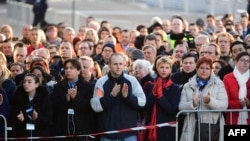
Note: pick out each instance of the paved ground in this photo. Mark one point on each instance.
(125, 13)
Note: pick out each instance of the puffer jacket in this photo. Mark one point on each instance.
(218, 101)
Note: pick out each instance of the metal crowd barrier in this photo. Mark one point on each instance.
(187, 114)
(5, 127)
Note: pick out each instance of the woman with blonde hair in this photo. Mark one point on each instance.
(2, 58)
(97, 70)
(6, 82)
(43, 38)
(7, 31)
(162, 102)
(92, 35)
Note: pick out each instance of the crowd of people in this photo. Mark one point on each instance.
(59, 81)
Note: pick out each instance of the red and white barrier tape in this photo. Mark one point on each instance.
(171, 124)
(49, 137)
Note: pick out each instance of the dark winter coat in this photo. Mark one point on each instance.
(4, 111)
(85, 120)
(166, 110)
(41, 103)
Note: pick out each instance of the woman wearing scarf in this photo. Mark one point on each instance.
(162, 103)
(237, 84)
(204, 91)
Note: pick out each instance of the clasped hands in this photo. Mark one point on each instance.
(117, 88)
(71, 93)
(244, 102)
(196, 99)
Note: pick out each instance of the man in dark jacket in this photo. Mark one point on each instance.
(188, 69)
(236, 48)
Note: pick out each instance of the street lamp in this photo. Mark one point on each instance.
(73, 13)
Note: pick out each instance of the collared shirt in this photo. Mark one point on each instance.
(72, 84)
(244, 33)
(125, 47)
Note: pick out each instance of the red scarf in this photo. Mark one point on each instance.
(158, 92)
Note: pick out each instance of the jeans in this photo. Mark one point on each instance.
(130, 138)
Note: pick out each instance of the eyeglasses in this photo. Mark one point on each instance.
(221, 41)
(107, 50)
(9, 40)
(244, 60)
(83, 48)
(206, 52)
(198, 45)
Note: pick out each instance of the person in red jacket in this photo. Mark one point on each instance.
(237, 84)
(35, 41)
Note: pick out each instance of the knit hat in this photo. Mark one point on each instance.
(136, 54)
(129, 50)
(110, 45)
(200, 22)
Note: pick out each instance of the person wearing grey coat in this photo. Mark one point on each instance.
(203, 94)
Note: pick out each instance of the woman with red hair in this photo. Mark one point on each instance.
(204, 91)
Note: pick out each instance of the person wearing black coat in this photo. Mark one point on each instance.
(241, 46)
(73, 114)
(162, 102)
(39, 9)
(9, 87)
(188, 69)
(31, 106)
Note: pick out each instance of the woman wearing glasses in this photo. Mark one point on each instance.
(237, 84)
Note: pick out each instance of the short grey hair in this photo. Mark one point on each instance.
(67, 29)
(144, 64)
